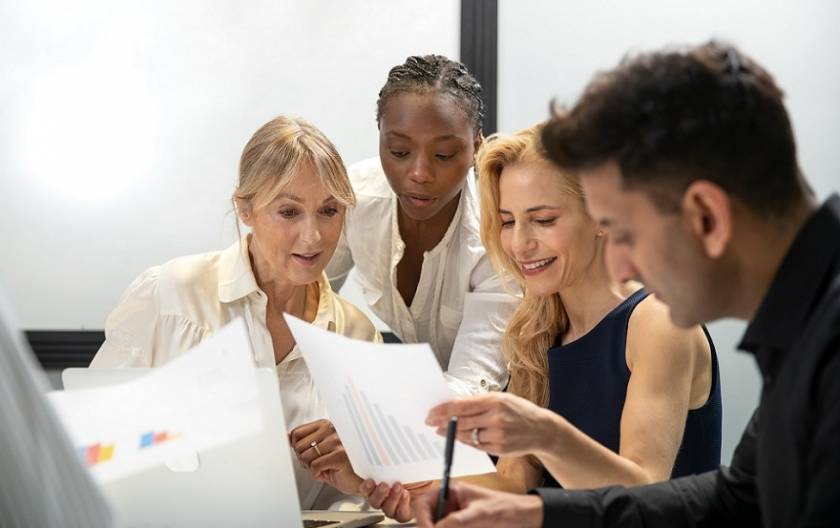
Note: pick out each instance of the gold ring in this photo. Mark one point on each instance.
(314, 445)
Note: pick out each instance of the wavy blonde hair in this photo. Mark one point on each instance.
(538, 319)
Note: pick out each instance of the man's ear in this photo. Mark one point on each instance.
(707, 211)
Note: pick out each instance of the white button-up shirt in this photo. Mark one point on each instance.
(171, 308)
(460, 307)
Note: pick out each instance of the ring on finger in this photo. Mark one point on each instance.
(475, 440)
(314, 445)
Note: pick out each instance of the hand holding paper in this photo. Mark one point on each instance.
(378, 397)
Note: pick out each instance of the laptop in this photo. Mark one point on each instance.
(249, 482)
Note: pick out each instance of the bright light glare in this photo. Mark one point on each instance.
(87, 131)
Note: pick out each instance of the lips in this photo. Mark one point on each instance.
(536, 266)
(419, 200)
(307, 259)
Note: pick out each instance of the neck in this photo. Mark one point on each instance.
(591, 298)
(771, 240)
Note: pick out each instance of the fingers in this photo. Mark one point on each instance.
(439, 415)
(325, 438)
(403, 512)
(336, 459)
(308, 454)
(424, 508)
(375, 494)
(301, 431)
(397, 501)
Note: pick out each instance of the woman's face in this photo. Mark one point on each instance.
(545, 230)
(294, 237)
(426, 144)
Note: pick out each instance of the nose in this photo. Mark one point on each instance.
(310, 233)
(619, 263)
(420, 170)
(522, 243)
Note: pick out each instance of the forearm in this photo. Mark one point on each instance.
(577, 461)
(722, 497)
(497, 481)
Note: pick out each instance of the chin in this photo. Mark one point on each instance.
(304, 278)
(541, 289)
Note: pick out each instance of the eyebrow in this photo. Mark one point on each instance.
(405, 136)
(534, 209)
(298, 199)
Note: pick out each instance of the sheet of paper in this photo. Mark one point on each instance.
(378, 397)
(200, 400)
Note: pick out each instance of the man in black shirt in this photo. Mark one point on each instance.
(688, 161)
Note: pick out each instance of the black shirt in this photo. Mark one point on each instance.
(786, 468)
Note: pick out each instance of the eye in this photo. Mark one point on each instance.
(329, 211)
(507, 224)
(545, 221)
(445, 157)
(399, 154)
(288, 213)
(624, 239)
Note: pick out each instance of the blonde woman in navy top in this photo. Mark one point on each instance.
(604, 388)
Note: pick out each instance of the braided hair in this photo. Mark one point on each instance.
(434, 73)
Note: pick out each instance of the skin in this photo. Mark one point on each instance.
(427, 144)
(292, 240)
(713, 234)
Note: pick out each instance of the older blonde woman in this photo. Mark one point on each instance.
(293, 193)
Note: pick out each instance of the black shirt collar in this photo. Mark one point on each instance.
(799, 282)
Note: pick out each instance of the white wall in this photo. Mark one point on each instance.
(551, 49)
(122, 124)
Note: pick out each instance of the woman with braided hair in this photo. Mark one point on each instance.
(414, 235)
(414, 239)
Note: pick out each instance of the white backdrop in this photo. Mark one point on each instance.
(551, 49)
(122, 124)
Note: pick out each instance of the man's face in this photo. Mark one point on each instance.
(651, 246)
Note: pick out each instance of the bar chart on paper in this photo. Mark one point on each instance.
(377, 397)
(387, 441)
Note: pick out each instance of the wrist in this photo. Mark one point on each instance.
(552, 434)
(531, 514)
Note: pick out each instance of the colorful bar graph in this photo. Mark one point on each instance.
(99, 452)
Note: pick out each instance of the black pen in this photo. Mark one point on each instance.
(443, 495)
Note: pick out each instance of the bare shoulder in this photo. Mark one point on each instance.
(652, 336)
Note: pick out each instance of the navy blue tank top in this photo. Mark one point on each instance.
(588, 383)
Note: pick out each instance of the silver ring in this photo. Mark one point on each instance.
(314, 445)
(475, 441)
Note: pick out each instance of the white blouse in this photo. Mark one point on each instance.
(460, 308)
(171, 308)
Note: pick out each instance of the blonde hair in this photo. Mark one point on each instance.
(279, 151)
(538, 319)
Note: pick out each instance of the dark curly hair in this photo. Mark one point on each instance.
(673, 117)
(434, 73)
